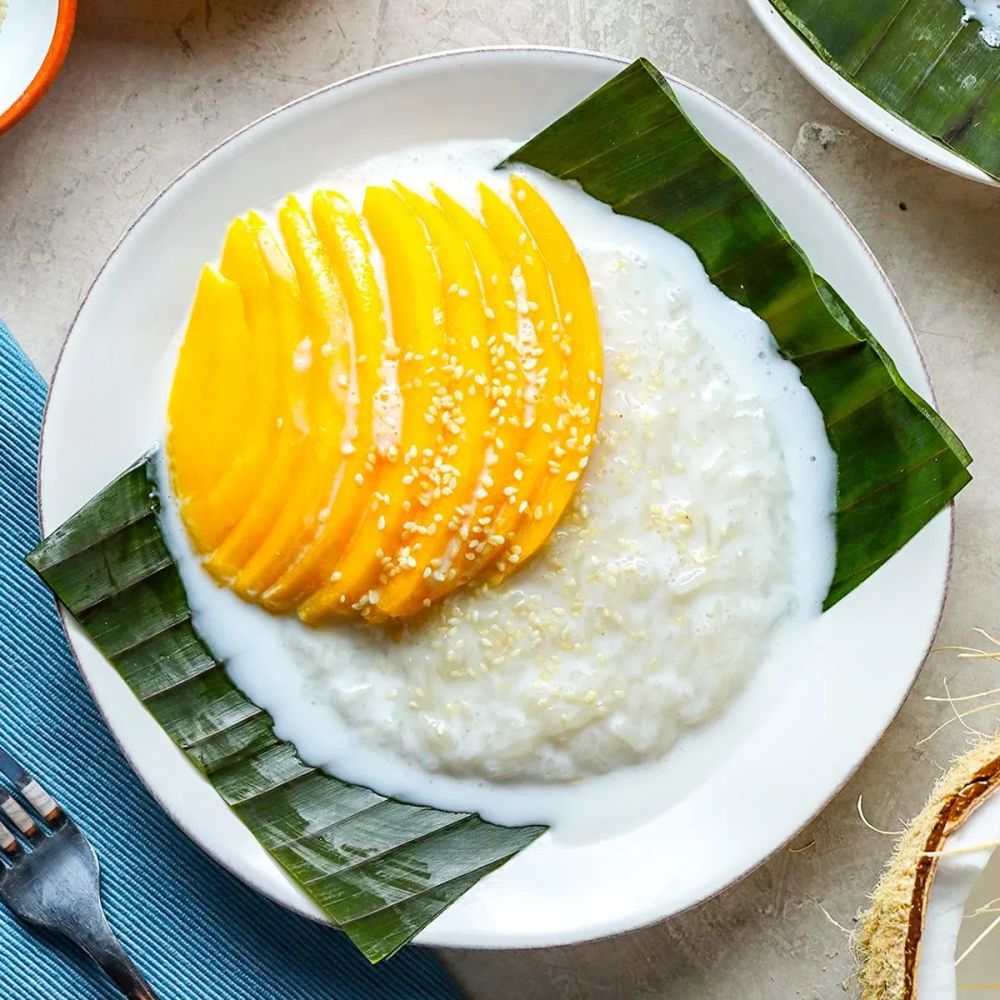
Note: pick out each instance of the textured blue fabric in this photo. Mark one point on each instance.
(197, 933)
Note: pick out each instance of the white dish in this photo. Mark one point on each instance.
(34, 37)
(857, 105)
(792, 738)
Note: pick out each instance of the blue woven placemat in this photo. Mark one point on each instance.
(196, 932)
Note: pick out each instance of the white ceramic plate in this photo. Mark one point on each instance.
(859, 106)
(740, 789)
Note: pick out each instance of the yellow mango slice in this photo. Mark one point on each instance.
(199, 416)
(543, 357)
(349, 252)
(343, 466)
(428, 544)
(578, 398)
(249, 394)
(416, 297)
(477, 545)
(291, 327)
(324, 352)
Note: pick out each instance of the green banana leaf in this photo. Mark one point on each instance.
(383, 869)
(898, 464)
(917, 60)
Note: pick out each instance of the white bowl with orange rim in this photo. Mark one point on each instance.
(34, 39)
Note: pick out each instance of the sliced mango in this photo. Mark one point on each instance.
(199, 416)
(542, 356)
(291, 327)
(477, 544)
(329, 463)
(425, 555)
(324, 355)
(349, 251)
(403, 483)
(578, 394)
(248, 393)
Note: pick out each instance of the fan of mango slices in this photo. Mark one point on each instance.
(354, 432)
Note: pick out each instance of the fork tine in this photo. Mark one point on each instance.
(9, 844)
(34, 794)
(19, 816)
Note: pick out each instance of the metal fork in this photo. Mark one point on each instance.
(50, 876)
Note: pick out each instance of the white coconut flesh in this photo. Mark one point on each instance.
(958, 953)
(933, 929)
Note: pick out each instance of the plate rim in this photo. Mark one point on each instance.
(301, 904)
(857, 105)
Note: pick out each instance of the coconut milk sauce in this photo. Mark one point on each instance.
(256, 645)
